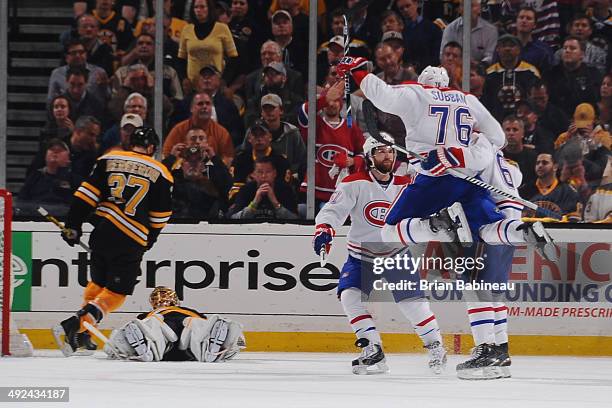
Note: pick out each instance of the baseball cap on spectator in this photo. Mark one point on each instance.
(258, 125)
(584, 115)
(131, 119)
(210, 68)
(57, 143)
(280, 14)
(393, 36)
(509, 38)
(276, 66)
(271, 99)
(337, 40)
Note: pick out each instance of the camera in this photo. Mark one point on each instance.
(193, 154)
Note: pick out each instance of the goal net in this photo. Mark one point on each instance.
(11, 341)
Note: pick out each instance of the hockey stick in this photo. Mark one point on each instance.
(347, 78)
(61, 226)
(98, 334)
(323, 257)
(369, 113)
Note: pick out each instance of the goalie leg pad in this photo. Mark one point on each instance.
(213, 339)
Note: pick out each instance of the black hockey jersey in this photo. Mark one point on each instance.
(131, 194)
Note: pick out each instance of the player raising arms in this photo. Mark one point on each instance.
(366, 196)
(131, 196)
(171, 332)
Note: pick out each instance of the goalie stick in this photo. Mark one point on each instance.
(369, 112)
(61, 226)
(98, 334)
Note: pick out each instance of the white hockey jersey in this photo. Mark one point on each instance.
(367, 202)
(505, 175)
(434, 116)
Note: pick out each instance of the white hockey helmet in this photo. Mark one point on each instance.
(434, 76)
(370, 144)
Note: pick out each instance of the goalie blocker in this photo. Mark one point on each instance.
(173, 333)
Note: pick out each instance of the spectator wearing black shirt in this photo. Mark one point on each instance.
(59, 124)
(514, 128)
(266, 198)
(98, 52)
(114, 29)
(82, 102)
(533, 51)
(550, 116)
(295, 51)
(536, 137)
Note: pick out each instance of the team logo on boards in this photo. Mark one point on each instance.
(375, 212)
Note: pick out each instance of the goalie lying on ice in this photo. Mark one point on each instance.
(173, 333)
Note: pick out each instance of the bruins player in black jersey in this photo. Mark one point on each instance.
(171, 332)
(130, 195)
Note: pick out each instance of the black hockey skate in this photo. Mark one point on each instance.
(485, 364)
(372, 359)
(437, 357)
(536, 234)
(453, 220)
(505, 361)
(66, 334)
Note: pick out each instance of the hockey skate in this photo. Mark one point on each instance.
(536, 234)
(372, 359)
(504, 358)
(484, 364)
(70, 341)
(453, 220)
(437, 357)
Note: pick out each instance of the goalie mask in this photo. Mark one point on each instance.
(434, 76)
(370, 147)
(163, 297)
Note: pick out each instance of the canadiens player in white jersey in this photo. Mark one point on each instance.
(365, 197)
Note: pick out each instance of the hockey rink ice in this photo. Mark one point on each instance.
(308, 380)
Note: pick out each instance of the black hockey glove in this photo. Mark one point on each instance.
(72, 236)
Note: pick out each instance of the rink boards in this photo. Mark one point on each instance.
(268, 278)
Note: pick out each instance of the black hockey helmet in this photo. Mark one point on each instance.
(144, 136)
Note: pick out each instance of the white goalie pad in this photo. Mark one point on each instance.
(212, 340)
(141, 340)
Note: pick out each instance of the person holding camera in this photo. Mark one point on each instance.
(268, 197)
(201, 179)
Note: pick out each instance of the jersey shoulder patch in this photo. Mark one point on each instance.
(401, 180)
(360, 175)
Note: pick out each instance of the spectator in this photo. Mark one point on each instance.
(294, 52)
(393, 71)
(260, 145)
(451, 60)
(272, 52)
(274, 81)
(129, 122)
(268, 197)
(363, 25)
(205, 41)
(336, 144)
(59, 124)
(396, 41)
(170, 47)
(478, 76)
(201, 117)
(114, 29)
(98, 52)
(247, 35)
(299, 19)
(548, 192)
(84, 145)
(604, 106)
(391, 21)
(583, 151)
(601, 22)
(536, 137)
(594, 56)
(357, 47)
(175, 25)
(514, 128)
(483, 36)
(550, 116)
(548, 25)
(52, 184)
(508, 80)
(76, 57)
(573, 82)
(599, 207)
(144, 54)
(533, 51)
(82, 102)
(422, 37)
(328, 55)
(135, 104)
(201, 179)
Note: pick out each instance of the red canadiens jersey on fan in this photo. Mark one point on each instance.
(434, 116)
(330, 141)
(367, 202)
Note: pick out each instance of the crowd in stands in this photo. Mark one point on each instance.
(234, 96)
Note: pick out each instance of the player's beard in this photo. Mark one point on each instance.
(385, 167)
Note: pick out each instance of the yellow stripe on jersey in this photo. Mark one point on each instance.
(85, 198)
(100, 212)
(159, 219)
(160, 214)
(118, 154)
(120, 213)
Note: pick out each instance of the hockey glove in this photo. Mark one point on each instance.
(72, 236)
(358, 67)
(441, 159)
(341, 159)
(324, 234)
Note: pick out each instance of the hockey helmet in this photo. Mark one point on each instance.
(370, 144)
(434, 76)
(144, 137)
(163, 296)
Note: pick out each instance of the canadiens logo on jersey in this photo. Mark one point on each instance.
(375, 212)
(327, 152)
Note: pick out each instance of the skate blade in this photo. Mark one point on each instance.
(58, 332)
(463, 234)
(482, 373)
(548, 250)
(438, 368)
(505, 372)
(378, 368)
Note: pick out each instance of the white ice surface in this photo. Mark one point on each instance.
(308, 380)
